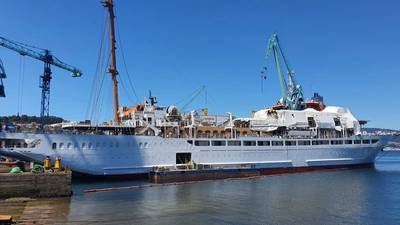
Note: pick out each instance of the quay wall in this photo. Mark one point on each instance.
(35, 184)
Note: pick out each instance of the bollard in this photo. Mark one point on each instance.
(57, 164)
(47, 163)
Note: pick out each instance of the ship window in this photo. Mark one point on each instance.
(111, 145)
(249, 143)
(320, 142)
(202, 143)
(336, 142)
(373, 141)
(357, 142)
(348, 142)
(304, 142)
(140, 144)
(190, 141)
(183, 158)
(83, 145)
(61, 145)
(263, 143)
(146, 145)
(365, 141)
(337, 121)
(234, 143)
(69, 145)
(311, 122)
(290, 143)
(277, 143)
(54, 145)
(218, 143)
(90, 145)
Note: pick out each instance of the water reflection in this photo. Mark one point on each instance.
(361, 196)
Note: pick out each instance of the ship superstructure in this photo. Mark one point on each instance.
(295, 134)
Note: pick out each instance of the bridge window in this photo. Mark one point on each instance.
(202, 143)
(249, 143)
(290, 143)
(336, 142)
(263, 143)
(304, 142)
(357, 142)
(320, 142)
(277, 143)
(218, 143)
(365, 141)
(234, 143)
(373, 141)
(348, 142)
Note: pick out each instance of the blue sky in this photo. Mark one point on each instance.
(348, 51)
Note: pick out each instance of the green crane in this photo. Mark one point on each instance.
(291, 92)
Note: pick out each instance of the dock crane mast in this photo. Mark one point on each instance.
(45, 56)
(291, 92)
(2, 76)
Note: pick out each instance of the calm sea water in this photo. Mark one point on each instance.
(359, 196)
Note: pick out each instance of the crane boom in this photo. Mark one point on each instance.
(44, 56)
(194, 96)
(291, 92)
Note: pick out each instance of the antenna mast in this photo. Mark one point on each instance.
(113, 66)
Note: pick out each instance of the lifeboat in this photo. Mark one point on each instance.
(278, 106)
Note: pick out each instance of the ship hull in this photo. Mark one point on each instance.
(105, 155)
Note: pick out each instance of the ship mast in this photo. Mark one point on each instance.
(113, 65)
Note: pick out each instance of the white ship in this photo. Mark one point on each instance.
(293, 135)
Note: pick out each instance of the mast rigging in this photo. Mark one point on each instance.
(113, 65)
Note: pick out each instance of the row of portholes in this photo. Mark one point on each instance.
(90, 145)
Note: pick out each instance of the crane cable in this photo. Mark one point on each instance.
(124, 61)
(91, 106)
